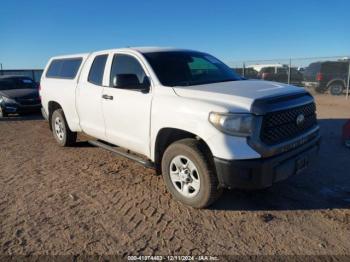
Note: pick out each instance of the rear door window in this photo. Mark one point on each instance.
(334, 67)
(97, 69)
(64, 68)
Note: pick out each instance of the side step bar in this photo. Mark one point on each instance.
(145, 163)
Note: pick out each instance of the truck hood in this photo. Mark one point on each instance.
(237, 93)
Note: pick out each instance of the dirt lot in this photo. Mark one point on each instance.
(85, 200)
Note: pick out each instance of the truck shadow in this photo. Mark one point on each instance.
(325, 185)
(83, 144)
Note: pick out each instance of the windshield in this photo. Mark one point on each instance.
(17, 83)
(186, 68)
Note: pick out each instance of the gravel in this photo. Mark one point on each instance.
(83, 200)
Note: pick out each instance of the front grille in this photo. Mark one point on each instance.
(28, 102)
(281, 126)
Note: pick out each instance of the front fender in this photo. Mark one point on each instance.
(192, 116)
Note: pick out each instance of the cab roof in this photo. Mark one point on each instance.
(143, 50)
(150, 49)
(14, 76)
(146, 49)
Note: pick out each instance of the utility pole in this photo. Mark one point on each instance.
(348, 82)
(243, 69)
(1, 68)
(289, 70)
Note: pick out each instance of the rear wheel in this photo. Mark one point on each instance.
(336, 88)
(188, 174)
(2, 112)
(60, 129)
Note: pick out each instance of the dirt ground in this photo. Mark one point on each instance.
(84, 200)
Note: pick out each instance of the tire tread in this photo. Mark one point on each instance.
(71, 136)
(204, 157)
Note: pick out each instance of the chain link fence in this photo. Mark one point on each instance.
(319, 75)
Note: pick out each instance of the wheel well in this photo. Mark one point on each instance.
(167, 136)
(336, 81)
(52, 107)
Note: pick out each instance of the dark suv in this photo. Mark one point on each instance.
(327, 76)
(280, 74)
(18, 94)
(249, 73)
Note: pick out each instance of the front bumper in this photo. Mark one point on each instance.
(19, 109)
(44, 114)
(263, 172)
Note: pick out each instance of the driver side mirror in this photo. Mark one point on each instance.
(131, 81)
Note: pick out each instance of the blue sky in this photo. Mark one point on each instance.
(32, 31)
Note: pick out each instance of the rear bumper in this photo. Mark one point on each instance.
(263, 172)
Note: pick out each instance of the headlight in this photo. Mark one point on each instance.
(4, 99)
(232, 124)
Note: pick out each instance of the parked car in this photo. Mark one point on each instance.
(186, 114)
(280, 74)
(327, 76)
(248, 73)
(18, 95)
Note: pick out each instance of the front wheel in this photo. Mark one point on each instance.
(60, 129)
(188, 174)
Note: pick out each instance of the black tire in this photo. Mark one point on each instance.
(194, 150)
(2, 113)
(66, 137)
(336, 88)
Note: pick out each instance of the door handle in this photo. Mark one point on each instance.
(107, 97)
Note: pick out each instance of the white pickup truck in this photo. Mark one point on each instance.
(185, 113)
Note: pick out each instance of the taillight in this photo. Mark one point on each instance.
(319, 77)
